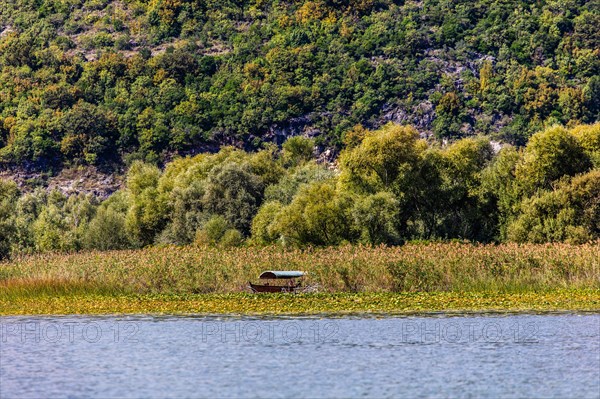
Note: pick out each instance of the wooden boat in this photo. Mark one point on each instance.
(274, 277)
(273, 288)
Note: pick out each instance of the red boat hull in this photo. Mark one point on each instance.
(273, 288)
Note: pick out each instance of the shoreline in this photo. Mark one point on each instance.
(315, 305)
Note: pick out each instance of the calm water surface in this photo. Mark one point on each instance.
(468, 356)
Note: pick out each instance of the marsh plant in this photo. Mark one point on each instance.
(452, 267)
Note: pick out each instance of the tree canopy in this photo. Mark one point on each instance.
(104, 82)
(388, 188)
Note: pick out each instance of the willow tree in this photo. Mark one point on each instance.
(382, 158)
(549, 155)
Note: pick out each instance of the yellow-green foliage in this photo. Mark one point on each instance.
(147, 215)
(382, 156)
(8, 196)
(63, 223)
(466, 158)
(549, 155)
(589, 138)
(32, 299)
(319, 214)
(389, 187)
(297, 150)
(107, 229)
(264, 230)
(375, 216)
(569, 213)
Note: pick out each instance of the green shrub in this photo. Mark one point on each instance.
(376, 217)
(235, 193)
(106, 231)
(231, 238)
(297, 150)
(148, 213)
(263, 224)
(9, 193)
(569, 213)
(589, 138)
(318, 215)
(549, 155)
(213, 231)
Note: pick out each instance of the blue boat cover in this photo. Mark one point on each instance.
(281, 274)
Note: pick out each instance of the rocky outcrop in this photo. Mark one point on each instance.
(86, 180)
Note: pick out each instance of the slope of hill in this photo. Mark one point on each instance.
(102, 82)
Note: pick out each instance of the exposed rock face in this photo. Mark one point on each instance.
(301, 126)
(496, 146)
(5, 30)
(86, 180)
(420, 116)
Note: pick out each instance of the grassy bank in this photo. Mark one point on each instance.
(411, 278)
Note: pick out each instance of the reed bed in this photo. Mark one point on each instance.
(412, 268)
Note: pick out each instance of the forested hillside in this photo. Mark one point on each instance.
(105, 83)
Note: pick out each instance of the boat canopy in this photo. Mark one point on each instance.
(281, 274)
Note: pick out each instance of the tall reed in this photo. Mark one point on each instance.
(408, 268)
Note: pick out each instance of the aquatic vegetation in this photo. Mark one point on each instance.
(282, 304)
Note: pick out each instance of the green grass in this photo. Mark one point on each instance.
(352, 279)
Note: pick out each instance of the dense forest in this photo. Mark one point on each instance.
(469, 120)
(105, 83)
(390, 187)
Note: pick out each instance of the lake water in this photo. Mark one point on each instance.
(552, 355)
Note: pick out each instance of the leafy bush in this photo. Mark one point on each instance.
(297, 150)
(263, 225)
(570, 213)
(319, 215)
(375, 215)
(549, 155)
(213, 231)
(106, 231)
(234, 192)
(8, 196)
